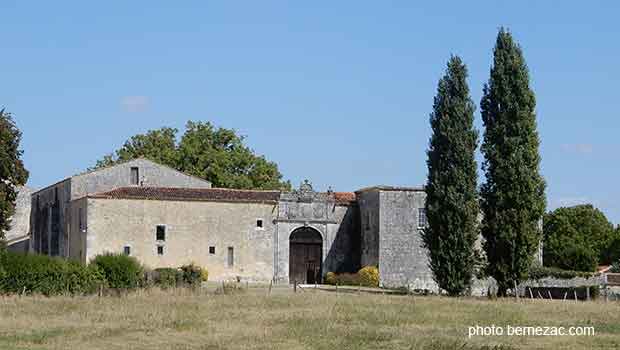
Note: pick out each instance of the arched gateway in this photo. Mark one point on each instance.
(305, 256)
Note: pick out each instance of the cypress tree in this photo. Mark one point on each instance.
(513, 196)
(451, 198)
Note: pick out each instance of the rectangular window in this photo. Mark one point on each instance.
(422, 222)
(259, 223)
(81, 219)
(160, 234)
(231, 257)
(211, 250)
(127, 250)
(160, 250)
(135, 176)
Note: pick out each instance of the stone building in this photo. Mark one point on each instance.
(165, 218)
(392, 218)
(17, 237)
(51, 212)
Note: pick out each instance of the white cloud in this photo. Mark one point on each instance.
(134, 104)
(579, 148)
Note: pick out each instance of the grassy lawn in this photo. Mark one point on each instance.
(310, 320)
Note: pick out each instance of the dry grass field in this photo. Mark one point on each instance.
(180, 319)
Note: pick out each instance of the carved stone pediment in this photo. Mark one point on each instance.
(306, 204)
(306, 194)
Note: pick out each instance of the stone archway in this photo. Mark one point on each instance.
(305, 256)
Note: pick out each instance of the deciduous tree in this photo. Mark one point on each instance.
(581, 228)
(12, 171)
(216, 154)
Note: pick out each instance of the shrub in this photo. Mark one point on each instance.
(615, 267)
(120, 271)
(192, 274)
(342, 279)
(48, 276)
(204, 275)
(369, 276)
(167, 277)
(331, 278)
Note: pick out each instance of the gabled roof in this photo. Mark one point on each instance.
(94, 170)
(205, 194)
(189, 194)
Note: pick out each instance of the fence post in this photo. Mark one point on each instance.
(530, 289)
(295, 286)
(575, 294)
(516, 291)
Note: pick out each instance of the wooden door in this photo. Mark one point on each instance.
(305, 263)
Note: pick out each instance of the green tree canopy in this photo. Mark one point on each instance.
(513, 196)
(216, 154)
(580, 228)
(451, 195)
(12, 171)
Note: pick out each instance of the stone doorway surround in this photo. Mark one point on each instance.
(305, 256)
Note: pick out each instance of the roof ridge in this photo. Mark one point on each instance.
(190, 188)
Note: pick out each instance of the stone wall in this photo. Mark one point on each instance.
(20, 222)
(191, 228)
(402, 258)
(151, 174)
(48, 219)
(368, 202)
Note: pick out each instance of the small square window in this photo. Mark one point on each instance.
(127, 250)
(259, 223)
(160, 234)
(211, 250)
(160, 250)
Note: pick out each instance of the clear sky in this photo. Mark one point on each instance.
(338, 92)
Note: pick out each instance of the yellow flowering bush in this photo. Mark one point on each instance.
(369, 276)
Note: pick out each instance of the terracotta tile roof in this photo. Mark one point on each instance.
(344, 197)
(189, 194)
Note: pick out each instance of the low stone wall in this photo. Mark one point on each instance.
(598, 280)
(479, 287)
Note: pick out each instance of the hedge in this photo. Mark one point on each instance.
(29, 273)
(167, 277)
(190, 275)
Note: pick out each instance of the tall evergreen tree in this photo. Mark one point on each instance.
(451, 195)
(12, 171)
(513, 196)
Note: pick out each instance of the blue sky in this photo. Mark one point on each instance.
(336, 92)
